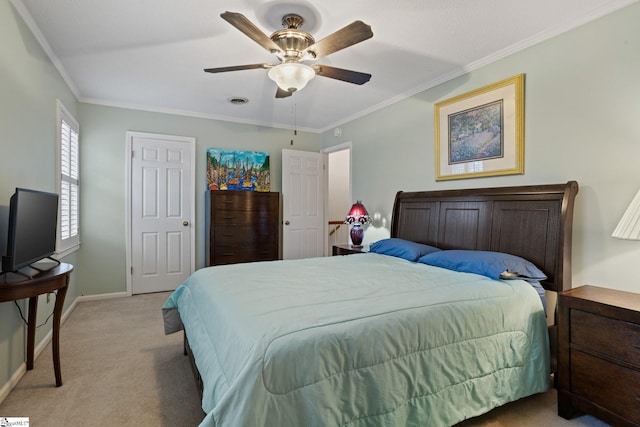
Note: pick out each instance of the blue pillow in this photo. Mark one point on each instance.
(495, 265)
(401, 248)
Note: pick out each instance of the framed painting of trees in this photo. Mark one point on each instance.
(481, 133)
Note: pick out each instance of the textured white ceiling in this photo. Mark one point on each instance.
(150, 54)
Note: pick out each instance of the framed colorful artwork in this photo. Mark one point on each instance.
(238, 170)
(481, 133)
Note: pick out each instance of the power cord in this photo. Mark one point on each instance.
(25, 320)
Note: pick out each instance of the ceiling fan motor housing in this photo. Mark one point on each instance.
(291, 40)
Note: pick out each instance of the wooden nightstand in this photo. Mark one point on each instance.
(599, 354)
(348, 250)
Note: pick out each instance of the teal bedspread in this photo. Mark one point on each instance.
(360, 340)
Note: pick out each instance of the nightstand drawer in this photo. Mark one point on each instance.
(599, 354)
(612, 386)
(606, 336)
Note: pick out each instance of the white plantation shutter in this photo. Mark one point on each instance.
(68, 181)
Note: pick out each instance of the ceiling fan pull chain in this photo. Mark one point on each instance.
(294, 130)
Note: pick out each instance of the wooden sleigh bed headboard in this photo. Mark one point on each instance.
(533, 222)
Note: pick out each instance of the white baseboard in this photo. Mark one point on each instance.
(83, 298)
(13, 381)
(22, 369)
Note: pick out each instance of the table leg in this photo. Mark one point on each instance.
(31, 330)
(55, 341)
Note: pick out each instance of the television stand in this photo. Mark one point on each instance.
(54, 279)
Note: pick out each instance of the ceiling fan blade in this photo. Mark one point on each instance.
(347, 36)
(243, 24)
(237, 68)
(348, 76)
(281, 93)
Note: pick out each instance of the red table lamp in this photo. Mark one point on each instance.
(357, 216)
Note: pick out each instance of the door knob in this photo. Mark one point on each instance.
(185, 223)
(286, 222)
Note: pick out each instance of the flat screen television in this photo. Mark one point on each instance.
(33, 221)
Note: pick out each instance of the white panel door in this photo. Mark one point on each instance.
(161, 212)
(303, 187)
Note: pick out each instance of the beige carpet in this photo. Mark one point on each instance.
(119, 369)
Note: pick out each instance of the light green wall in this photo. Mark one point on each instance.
(29, 87)
(103, 149)
(582, 122)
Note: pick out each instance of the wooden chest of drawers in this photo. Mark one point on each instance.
(242, 226)
(599, 354)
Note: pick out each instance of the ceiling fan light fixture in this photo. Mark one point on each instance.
(291, 76)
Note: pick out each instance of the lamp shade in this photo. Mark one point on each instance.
(291, 76)
(357, 214)
(629, 226)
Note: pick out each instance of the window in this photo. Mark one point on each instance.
(68, 163)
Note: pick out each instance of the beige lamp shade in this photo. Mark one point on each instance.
(629, 226)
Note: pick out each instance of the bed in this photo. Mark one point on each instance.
(391, 337)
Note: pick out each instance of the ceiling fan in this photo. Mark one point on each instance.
(293, 46)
